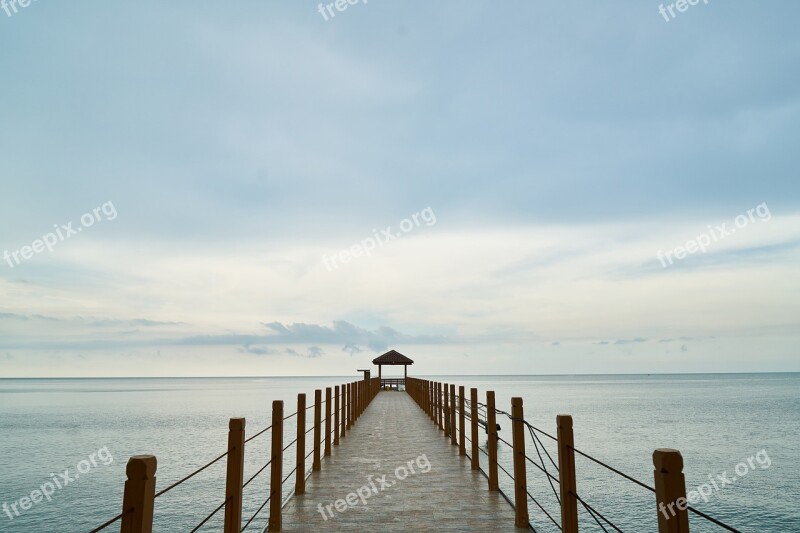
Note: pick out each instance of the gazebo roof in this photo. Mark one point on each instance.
(392, 357)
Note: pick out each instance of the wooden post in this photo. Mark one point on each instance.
(357, 400)
(138, 500)
(347, 407)
(671, 500)
(235, 476)
(446, 410)
(425, 397)
(336, 418)
(566, 474)
(462, 437)
(491, 426)
(344, 410)
(434, 403)
(453, 429)
(276, 479)
(327, 421)
(520, 468)
(432, 400)
(473, 414)
(300, 474)
(440, 405)
(316, 464)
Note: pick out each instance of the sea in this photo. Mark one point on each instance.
(739, 435)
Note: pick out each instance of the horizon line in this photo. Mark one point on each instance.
(425, 375)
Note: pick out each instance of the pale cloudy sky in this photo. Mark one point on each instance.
(557, 147)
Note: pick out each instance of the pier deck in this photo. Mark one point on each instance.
(392, 432)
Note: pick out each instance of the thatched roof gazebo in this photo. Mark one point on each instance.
(393, 358)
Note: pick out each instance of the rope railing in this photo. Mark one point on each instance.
(209, 517)
(594, 513)
(257, 473)
(290, 444)
(111, 521)
(444, 407)
(351, 399)
(190, 476)
(257, 512)
(258, 434)
(539, 505)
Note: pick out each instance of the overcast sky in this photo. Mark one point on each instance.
(531, 159)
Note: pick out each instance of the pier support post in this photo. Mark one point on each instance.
(453, 429)
(344, 410)
(520, 468)
(327, 421)
(357, 402)
(276, 478)
(349, 407)
(566, 474)
(234, 478)
(426, 391)
(300, 474)
(462, 437)
(437, 400)
(446, 410)
(316, 465)
(434, 404)
(139, 497)
(491, 428)
(336, 418)
(440, 408)
(670, 491)
(473, 414)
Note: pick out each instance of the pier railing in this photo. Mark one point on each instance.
(450, 410)
(394, 383)
(343, 405)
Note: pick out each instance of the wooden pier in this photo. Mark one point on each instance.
(407, 461)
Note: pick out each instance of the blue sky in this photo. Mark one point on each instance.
(559, 145)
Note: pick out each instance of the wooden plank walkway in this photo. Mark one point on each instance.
(392, 438)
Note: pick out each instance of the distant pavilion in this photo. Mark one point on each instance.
(392, 358)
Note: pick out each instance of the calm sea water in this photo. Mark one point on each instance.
(48, 426)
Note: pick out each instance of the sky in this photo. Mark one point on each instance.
(284, 188)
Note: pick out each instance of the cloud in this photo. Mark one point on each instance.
(314, 352)
(351, 349)
(257, 350)
(345, 333)
(90, 321)
(630, 341)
